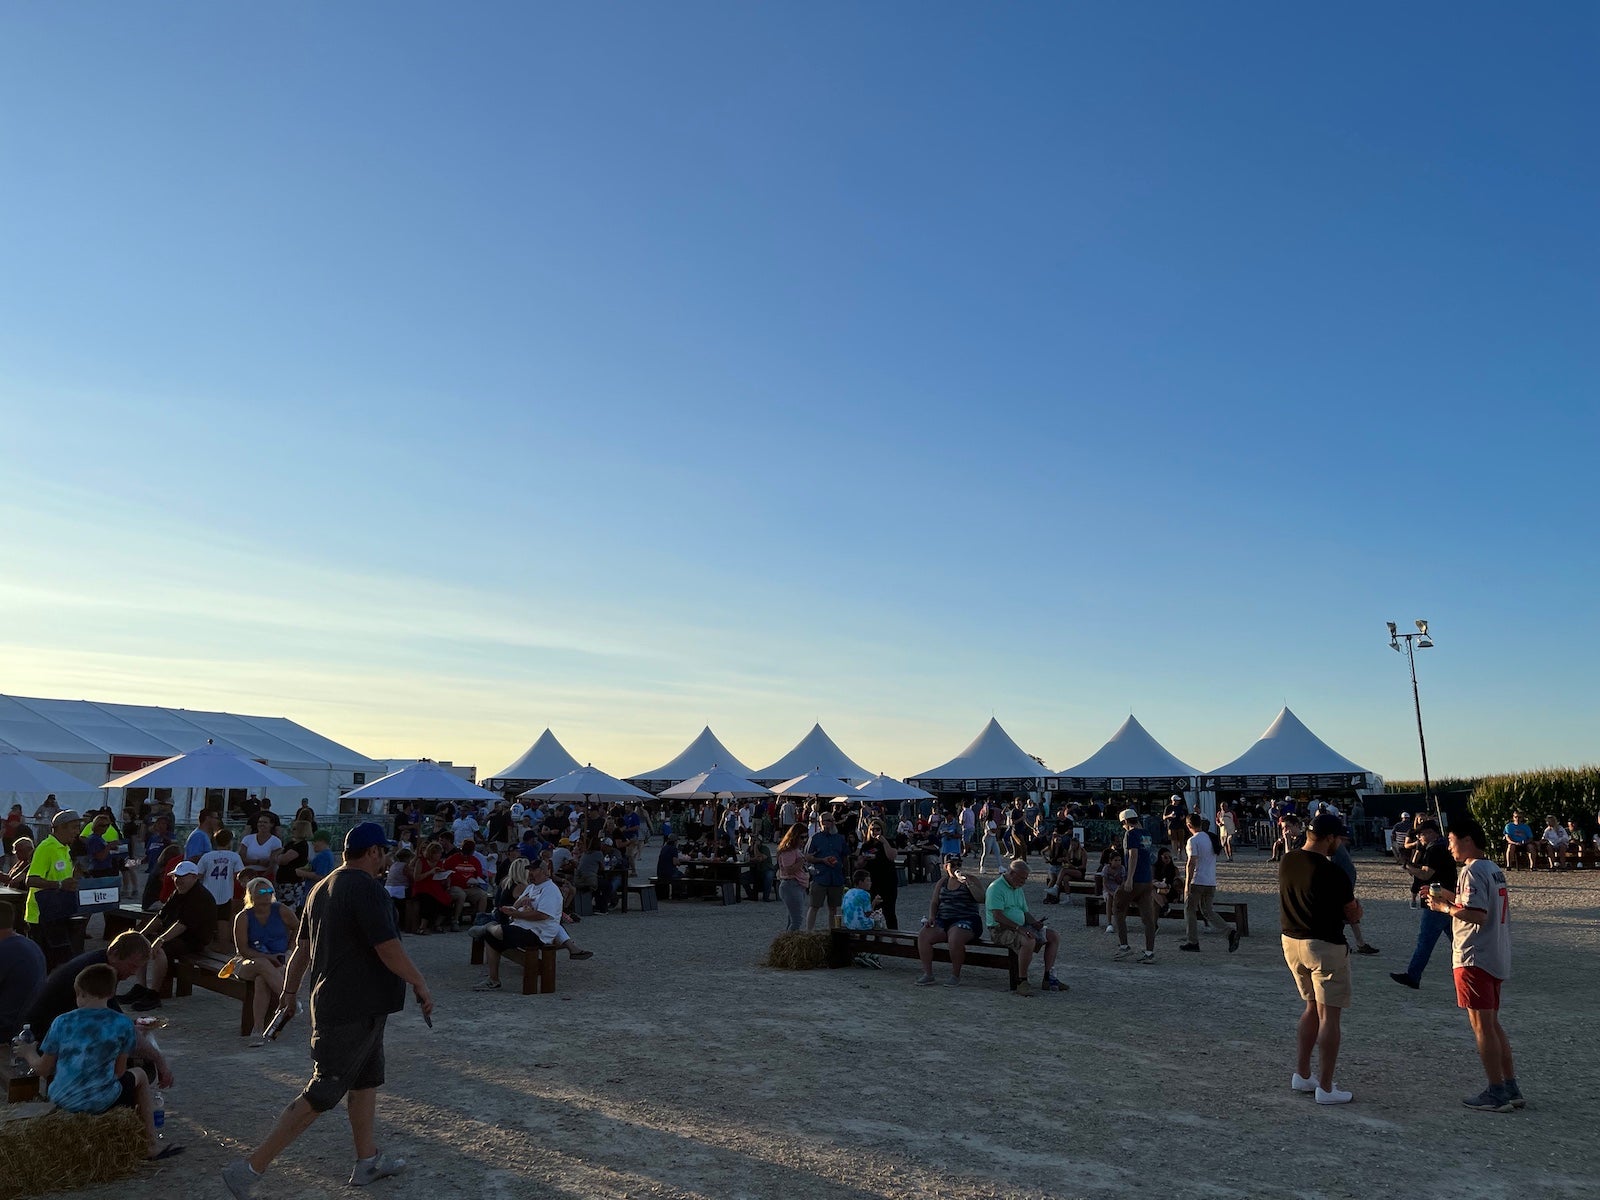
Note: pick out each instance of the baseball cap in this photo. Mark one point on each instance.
(1128, 814)
(65, 815)
(1326, 824)
(364, 837)
(184, 868)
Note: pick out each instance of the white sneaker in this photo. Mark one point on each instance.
(1123, 952)
(1334, 1097)
(1300, 1083)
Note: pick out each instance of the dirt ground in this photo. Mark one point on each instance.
(671, 1065)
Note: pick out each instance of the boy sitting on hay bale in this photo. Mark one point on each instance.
(85, 1058)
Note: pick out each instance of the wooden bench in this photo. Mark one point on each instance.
(644, 893)
(1236, 911)
(900, 943)
(123, 918)
(538, 964)
(201, 970)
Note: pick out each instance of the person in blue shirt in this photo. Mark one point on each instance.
(1519, 842)
(1138, 887)
(85, 1057)
(321, 864)
(950, 835)
(200, 840)
(825, 854)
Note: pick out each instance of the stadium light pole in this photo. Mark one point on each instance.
(1413, 642)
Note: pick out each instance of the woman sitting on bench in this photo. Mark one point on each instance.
(263, 931)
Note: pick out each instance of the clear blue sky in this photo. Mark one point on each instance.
(435, 374)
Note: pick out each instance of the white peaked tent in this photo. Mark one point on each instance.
(96, 740)
(814, 752)
(543, 761)
(1135, 758)
(702, 754)
(1288, 755)
(991, 763)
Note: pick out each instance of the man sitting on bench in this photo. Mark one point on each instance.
(183, 927)
(1519, 842)
(533, 921)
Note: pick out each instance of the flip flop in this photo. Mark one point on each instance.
(168, 1152)
(581, 954)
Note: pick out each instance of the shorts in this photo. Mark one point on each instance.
(1477, 989)
(966, 923)
(130, 1091)
(1321, 970)
(1015, 939)
(344, 1058)
(831, 894)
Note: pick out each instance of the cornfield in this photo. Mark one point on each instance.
(1567, 793)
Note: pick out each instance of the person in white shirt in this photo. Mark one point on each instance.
(1555, 841)
(969, 827)
(218, 867)
(464, 827)
(261, 848)
(534, 920)
(1200, 886)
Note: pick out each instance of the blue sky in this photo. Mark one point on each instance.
(432, 376)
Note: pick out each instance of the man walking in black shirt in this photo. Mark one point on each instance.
(349, 944)
(1434, 866)
(1316, 899)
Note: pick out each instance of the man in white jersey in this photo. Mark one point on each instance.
(1479, 908)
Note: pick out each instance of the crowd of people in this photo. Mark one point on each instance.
(513, 872)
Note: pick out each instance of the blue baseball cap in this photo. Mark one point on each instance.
(364, 837)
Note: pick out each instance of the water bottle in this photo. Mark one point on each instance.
(24, 1038)
(158, 1103)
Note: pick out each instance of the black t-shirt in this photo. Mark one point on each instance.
(346, 916)
(1312, 894)
(286, 871)
(197, 911)
(57, 994)
(1438, 858)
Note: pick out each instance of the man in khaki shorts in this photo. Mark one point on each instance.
(1315, 901)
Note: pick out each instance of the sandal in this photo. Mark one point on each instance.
(580, 954)
(167, 1152)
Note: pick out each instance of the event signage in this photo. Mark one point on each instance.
(99, 895)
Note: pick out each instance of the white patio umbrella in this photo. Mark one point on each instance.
(423, 780)
(19, 773)
(709, 785)
(885, 788)
(815, 783)
(208, 766)
(585, 784)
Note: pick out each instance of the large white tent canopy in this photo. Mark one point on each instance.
(991, 762)
(96, 741)
(1289, 755)
(1131, 753)
(814, 752)
(699, 755)
(543, 761)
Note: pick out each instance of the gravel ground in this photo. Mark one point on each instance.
(672, 1065)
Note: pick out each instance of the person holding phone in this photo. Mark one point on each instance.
(263, 931)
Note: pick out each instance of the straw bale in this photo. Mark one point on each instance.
(60, 1151)
(798, 951)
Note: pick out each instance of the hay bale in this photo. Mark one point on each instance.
(798, 951)
(61, 1151)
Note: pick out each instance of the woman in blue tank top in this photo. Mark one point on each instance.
(262, 934)
(955, 916)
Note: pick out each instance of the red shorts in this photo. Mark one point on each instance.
(1476, 988)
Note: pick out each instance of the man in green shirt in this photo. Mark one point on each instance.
(51, 868)
(1010, 924)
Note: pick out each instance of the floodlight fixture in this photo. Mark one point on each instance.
(1414, 642)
